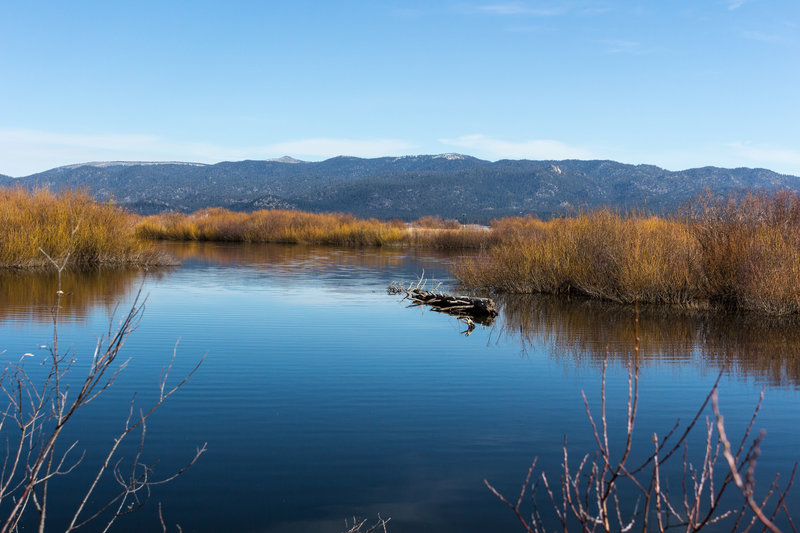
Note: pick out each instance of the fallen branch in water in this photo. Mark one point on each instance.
(467, 309)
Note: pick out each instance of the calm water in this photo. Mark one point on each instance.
(322, 397)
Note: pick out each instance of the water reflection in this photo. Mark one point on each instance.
(318, 400)
(575, 331)
(347, 268)
(584, 331)
(30, 296)
(275, 255)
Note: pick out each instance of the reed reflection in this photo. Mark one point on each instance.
(273, 255)
(326, 266)
(29, 296)
(585, 331)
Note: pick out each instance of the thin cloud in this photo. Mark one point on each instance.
(768, 155)
(407, 12)
(617, 46)
(494, 149)
(518, 8)
(595, 10)
(329, 147)
(109, 142)
(736, 4)
(531, 28)
(766, 37)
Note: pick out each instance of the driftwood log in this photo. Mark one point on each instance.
(467, 309)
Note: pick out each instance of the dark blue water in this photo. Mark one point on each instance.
(321, 397)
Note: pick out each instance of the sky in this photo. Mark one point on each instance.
(674, 83)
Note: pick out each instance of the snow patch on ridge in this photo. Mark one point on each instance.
(450, 156)
(104, 164)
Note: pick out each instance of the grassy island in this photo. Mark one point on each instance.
(741, 253)
(298, 227)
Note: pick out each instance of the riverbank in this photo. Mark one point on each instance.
(740, 253)
(94, 235)
(298, 227)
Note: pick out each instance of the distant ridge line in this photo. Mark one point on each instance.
(451, 156)
(451, 185)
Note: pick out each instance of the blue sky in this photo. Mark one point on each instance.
(676, 83)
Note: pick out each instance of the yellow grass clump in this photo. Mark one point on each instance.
(749, 250)
(282, 226)
(598, 254)
(297, 227)
(741, 252)
(39, 220)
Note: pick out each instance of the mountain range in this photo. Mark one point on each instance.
(449, 185)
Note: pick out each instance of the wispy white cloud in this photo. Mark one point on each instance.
(329, 147)
(736, 4)
(590, 8)
(519, 8)
(24, 152)
(766, 37)
(531, 28)
(407, 12)
(768, 156)
(109, 142)
(488, 147)
(619, 46)
(595, 10)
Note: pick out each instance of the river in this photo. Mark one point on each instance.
(321, 397)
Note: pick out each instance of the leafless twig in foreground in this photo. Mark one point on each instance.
(591, 494)
(39, 407)
(357, 526)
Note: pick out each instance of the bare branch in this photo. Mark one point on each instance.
(746, 489)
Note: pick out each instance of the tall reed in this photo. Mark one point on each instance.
(39, 220)
(598, 254)
(285, 226)
(741, 252)
(749, 250)
(269, 226)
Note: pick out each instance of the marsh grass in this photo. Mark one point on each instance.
(749, 250)
(32, 222)
(741, 253)
(436, 222)
(297, 227)
(282, 226)
(599, 254)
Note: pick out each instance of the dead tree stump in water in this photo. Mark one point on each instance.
(467, 309)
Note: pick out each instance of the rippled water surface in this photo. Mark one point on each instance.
(322, 397)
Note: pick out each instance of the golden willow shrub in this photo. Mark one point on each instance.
(286, 226)
(742, 253)
(598, 254)
(39, 219)
(749, 250)
(282, 226)
(436, 222)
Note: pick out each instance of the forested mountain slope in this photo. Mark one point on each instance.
(449, 185)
